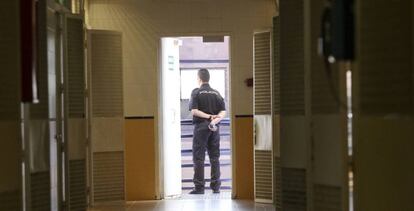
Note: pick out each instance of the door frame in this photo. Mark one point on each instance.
(161, 113)
(159, 169)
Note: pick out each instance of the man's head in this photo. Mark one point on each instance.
(203, 76)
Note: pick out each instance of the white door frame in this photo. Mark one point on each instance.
(159, 165)
(165, 93)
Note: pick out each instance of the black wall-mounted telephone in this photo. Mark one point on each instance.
(336, 42)
(337, 31)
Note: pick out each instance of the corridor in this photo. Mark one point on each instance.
(320, 97)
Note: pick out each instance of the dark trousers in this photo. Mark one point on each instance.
(205, 139)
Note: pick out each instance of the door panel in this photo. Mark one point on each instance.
(383, 164)
(106, 122)
(330, 166)
(75, 113)
(294, 110)
(277, 169)
(384, 101)
(263, 118)
(294, 161)
(10, 155)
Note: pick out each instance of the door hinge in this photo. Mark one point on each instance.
(23, 156)
(58, 137)
(88, 190)
(87, 142)
(59, 140)
(61, 88)
(64, 205)
(59, 28)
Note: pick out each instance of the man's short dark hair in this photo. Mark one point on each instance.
(204, 75)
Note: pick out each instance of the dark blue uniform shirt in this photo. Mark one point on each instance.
(206, 100)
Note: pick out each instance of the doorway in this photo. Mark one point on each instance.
(180, 59)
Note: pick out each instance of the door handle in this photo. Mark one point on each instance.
(174, 117)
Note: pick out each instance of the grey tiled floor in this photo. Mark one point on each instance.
(224, 194)
(206, 202)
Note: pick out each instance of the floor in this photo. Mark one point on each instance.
(206, 202)
(187, 202)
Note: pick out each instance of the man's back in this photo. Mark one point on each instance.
(206, 100)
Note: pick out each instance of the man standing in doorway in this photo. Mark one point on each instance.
(208, 109)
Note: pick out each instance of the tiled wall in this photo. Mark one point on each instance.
(243, 153)
(140, 165)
